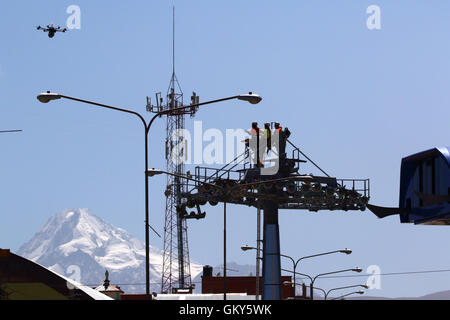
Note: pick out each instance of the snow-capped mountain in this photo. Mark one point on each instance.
(77, 244)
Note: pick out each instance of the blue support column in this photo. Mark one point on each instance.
(271, 253)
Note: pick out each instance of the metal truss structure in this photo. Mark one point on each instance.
(243, 182)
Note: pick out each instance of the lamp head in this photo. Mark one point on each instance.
(250, 97)
(153, 172)
(48, 96)
(357, 270)
(346, 251)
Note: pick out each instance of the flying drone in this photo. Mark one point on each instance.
(51, 30)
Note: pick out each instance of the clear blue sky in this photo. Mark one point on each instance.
(356, 101)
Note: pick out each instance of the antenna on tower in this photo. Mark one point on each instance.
(173, 39)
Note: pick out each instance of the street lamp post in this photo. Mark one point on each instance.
(327, 273)
(326, 293)
(49, 96)
(296, 262)
(225, 250)
(313, 279)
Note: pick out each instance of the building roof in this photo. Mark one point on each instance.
(444, 152)
(30, 280)
(110, 288)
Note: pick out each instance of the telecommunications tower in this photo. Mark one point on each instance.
(176, 272)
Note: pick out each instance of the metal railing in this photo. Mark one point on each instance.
(359, 185)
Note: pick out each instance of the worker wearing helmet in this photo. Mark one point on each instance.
(255, 134)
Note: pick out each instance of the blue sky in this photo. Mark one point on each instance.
(355, 100)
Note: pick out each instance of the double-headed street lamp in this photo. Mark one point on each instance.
(49, 96)
(313, 279)
(296, 262)
(326, 293)
(347, 287)
(328, 273)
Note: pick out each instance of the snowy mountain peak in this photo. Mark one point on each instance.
(78, 239)
(78, 230)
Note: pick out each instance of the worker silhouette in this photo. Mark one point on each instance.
(254, 144)
(267, 136)
(278, 127)
(275, 139)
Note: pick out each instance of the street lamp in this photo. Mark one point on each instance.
(50, 96)
(250, 97)
(348, 294)
(333, 272)
(347, 287)
(312, 279)
(295, 263)
(326, 293)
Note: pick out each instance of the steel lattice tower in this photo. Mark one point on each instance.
(176, 265)
(176, 271)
